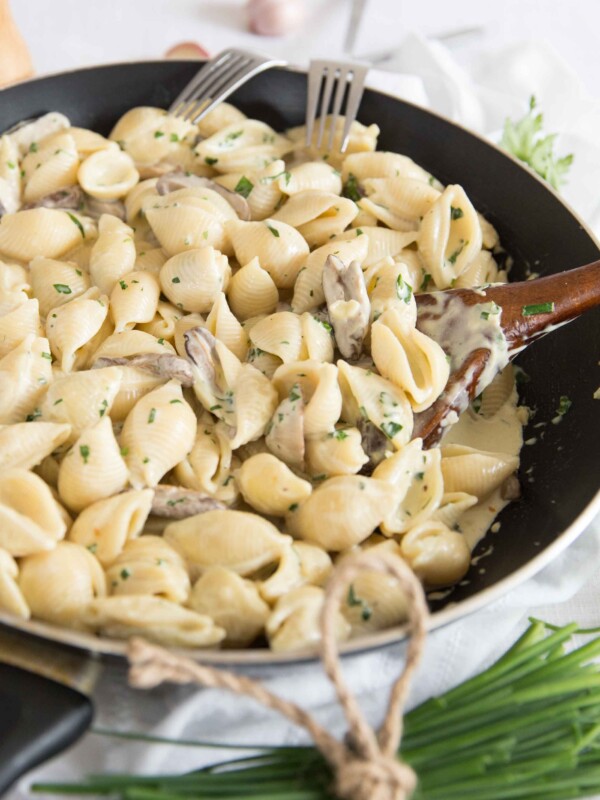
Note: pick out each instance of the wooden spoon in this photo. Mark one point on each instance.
(530, 309)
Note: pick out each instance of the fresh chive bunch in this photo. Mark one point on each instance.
(526, 728)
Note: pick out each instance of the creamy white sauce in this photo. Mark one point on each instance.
(501, 432)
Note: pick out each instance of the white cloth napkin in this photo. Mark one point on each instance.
(425, 73)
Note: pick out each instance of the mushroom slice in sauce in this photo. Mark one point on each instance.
(94, 208)
(285, 437)
(374, 443)
(177, 179)
(175, 502)
(71, 197)
(347, 303)
(163, 365)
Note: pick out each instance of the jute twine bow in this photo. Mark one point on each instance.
(366, 766)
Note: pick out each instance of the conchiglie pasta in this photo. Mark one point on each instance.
(130, 343)
(262, 187)
(252, 291)
(338, 452)
(193, 279)
(59, 585)
(295, 622)
(247, 144)
(315, 175)
(269, 486)
(148, 565)
(318, 387)
(361, 138)
(207, 467)
(437, 555)
(55, 283)
(382, 165)
(108, 174)
(35, 232)
(113, 253)
(72, 327)
(26, 444)
(93, 468)
(134, 300)
(25, 373)
(281, 250)
(475, 472)
(149, 134)
(382, 242)
(10, 175)
(11, 597)
(31, 521)
(317, 215)
(50, 167)
(105, 526)
(225, 327)
(157, 434)
(232, 602)
(18, 324)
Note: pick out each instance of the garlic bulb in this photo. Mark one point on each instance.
(275, 17)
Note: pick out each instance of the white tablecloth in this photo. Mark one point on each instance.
(519, 48)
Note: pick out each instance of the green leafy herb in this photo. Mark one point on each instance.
(452, 258)
(359, 231)
(244, 186)
(161, 340)
(47, 356)
(84, 452)
(211, 161)
(391, 429)
(537, 308)
(403, 289)
(295, 393)
(564, 405)
(174, 137)
(75, 221)
(151, 416)
(172, 402)
(293, 507)
(524, 140)
(103, 407)
(159, 134)
(354, 600)
(492, 310)
(11, 165)
(176, 502)
(340, 435)
(123, 285)
(274, 231)
(62, 288)
(353, 189)
(33, 147)
(124, 451)
(35, 414)
(176, 280)
(425, 282)
(456, 213)
(92, 547)
(125, 573)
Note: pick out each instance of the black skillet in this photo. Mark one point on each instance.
(560, 473)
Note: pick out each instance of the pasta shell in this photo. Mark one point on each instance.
(88, 142)
(382, 165)
(482, 269)
(382, 242)
(225, 327)
(134, 300)
(342, 512)
(192, 280)
(308, 290)
(35, 232)
(317, 384)
(407, 198)
(295, 622)
(368, 396)
(150, 135)
(135, 384)
(105, 526)
(59, 585)
(50, 167)
(315, 175)
(162, 326)
(317, 215)
(269, 486)
(452, 507)
(317, 338)
(280, 249)
(252, 291)
(336, 453)
(137, 197)
(207, 467)
(11, 597)
(93, 468)
(475, 472)
(108, 174)
(315, 563)
(26, 444)
(149, 566)
(417, 487)
(25, 373)
(113, 254)
(30, 518)
(154, 618)
(157, 434)
(279, 334)
(261, 187)
(55, 283)
(237, 540)
(18, 324)
(286, 576)
(71, 327)
(410, 359)
(232, 602)
(220, 117)
(450, 236)
(242, 145)
(130, 343)
(437, 555)
(360, 139)
(10, 175)
(389, 287)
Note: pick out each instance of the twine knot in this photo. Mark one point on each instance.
(380, 778)
(366, 765)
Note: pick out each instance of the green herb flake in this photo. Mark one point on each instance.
(159, 134)
(56, 402)
(390, 429)
(84, 452)
(537, 308)
(172, 503)
(176, 280)
(62, 288)
(124, 451)
(146, 460)
(92, 547)
(352, 189)
(294, 393)
(151, 416)
(293, 507)
(35, 414)
(172, 402)
(211, 161)
(125, 573)
(205, 234)
(419, 476)
(11, 165)
(33, 147)
(47, 356)
(123, 285)
(103, 407)
(403, 289)
(244, 186)
(75, 221)
(456, 213)
(161, 340)
(78, 272)
(452, 258)
(564, 404)
(354, 600)
(359, 231)
(273, 230)
(340, 435)
(425, 282)
(174, 137)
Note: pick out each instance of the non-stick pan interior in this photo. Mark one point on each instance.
(559, 472)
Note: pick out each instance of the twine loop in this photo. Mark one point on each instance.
(367, 765)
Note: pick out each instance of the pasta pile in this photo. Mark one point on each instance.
(209, 372)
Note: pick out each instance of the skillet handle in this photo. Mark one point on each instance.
(38, 719)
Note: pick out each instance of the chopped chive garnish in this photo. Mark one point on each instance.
(151, 415)
(391, 429)
(84, 451)
(274, 231)
(538, 308)
(564, 405)
(211, 161)
(47, 356)
(158, 134)
(403, 289)
(293, 507)
(456, 213)
(62, 288)
(244, 186)
(75, 221)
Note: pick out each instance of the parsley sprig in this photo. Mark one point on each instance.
(524, 140)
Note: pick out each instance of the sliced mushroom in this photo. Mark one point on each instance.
(163, 365)
(72, 197)
(201, 350)
(95, 208)
(285, 437)
(373, 442)
(175, 502)
(178, 179)
(511, 488)
(347, 303)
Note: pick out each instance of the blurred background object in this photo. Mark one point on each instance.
(275, 17)
(15, 61)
